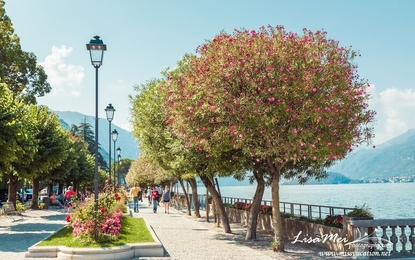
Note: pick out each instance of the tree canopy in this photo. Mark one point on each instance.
(281, 98)
(19, 69)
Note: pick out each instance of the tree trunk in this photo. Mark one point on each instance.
(186, 195)
(13, 182)
(219, 205)
(50, 189)
(35, 196)
(275, 171)
(256, 204)
(196, 205)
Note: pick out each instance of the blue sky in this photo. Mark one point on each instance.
(144, 37)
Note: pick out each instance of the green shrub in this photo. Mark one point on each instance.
(363, 211)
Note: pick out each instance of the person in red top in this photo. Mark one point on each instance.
(68, 195)
(154, 196)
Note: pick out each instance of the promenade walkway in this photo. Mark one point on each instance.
(183, 237)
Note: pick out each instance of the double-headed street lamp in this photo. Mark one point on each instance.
(96, 48)
(114, 138)
(109, 110)
(119, 157)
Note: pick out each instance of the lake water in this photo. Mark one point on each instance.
(385, 200)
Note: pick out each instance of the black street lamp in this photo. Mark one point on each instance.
(110, 115)
(96, 48)
(119, 157)
(114, 138)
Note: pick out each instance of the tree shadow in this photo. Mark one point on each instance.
(24, 235)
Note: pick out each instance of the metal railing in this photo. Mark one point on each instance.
(310, 211)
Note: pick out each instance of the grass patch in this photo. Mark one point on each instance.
(134, 230)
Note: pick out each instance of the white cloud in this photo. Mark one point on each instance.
(395, 112)
(65, 79)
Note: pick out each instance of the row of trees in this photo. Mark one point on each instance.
(37, 150)
(33, 144)
(262, 104)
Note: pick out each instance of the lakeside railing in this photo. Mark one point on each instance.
(393, 236)
(383, 237)
(310, 211)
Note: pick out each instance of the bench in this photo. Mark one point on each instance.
(9, 210)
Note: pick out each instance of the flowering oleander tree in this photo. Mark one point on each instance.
(282, 98)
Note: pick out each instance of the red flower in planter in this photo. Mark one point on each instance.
(102, 210)
(334, 221)
(265, 209)
(240, 205)
(68, 218)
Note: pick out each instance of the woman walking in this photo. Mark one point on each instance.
(154, 196)
(166, 199)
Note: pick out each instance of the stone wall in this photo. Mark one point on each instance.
(330, 238)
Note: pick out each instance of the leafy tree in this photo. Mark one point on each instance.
(84, 132)
(145, 172)
(163, 147)
(52, 151)
(79, 165)
(17, 139)
(287, 101)
(19, 69)
(125, 165)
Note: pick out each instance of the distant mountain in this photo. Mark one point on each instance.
(332, 178)
(126, 141)
(392, 159)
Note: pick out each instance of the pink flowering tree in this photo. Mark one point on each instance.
(282, 99)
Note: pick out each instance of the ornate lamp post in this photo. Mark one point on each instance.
(114, 138)
(109, 110)
(119, 157)
(96, 48)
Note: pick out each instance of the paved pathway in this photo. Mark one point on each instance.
(183, 237)
(17, 236)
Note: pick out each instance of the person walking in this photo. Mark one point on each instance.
(159, 196)
(166, 199)
(149, 195)
(68, 197)
(134, 192)
(154, 197)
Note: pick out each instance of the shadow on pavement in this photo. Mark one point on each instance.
(36, 227)
(54, 217)
(20, 242)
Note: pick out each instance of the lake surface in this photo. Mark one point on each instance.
(385, 200)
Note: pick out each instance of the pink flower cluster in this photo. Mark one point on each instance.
(80, 228)
(112, 224)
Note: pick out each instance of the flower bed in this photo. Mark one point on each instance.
(100, 225)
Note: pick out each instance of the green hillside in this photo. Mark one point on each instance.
(395, 158)
(126, 141)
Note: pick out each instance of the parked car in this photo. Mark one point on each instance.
(26, 195)
(29, 194)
